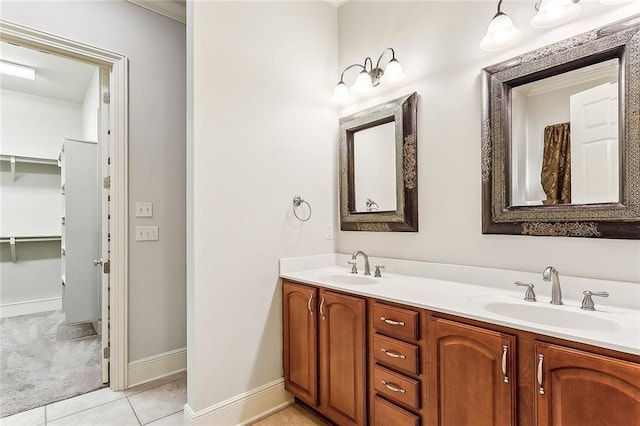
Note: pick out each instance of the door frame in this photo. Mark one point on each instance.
(118, 152)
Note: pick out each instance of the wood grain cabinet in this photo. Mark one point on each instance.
(471, 375)
(415, 367)
(324, 337)
(576, 388)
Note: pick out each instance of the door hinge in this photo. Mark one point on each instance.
(106, 98)
(106, 182)
(106, 267)
(106, 352)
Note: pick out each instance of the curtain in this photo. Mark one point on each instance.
(556, 164)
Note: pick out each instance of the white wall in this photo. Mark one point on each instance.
(264, 130)
(91, 108)
(35, 126)
(442, 63)
(155, 47)
(32, 126)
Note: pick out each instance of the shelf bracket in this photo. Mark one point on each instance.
(13, 167)
(12, 244)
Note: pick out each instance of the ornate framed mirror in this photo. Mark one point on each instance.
(561, 138)
(379, 168)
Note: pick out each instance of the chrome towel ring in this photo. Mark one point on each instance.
(297, 202)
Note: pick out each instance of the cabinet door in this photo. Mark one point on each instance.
(472, 375)
(578, 388)
(342, 358)
(300, 336)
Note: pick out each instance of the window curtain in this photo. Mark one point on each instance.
(556, 164)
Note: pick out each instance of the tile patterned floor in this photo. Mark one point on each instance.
(159, 403)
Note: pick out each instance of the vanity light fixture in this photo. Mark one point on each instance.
(501, 33)
(554, 12)
(17, 70)
(369, 76)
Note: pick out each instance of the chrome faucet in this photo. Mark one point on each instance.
(551, 274)
(367, 269)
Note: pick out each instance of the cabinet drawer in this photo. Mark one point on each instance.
(386, 413)
(397, 387)
(397, 322)
(398, 354)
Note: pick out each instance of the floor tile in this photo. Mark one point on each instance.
(154, 384)
(82, 402)
(293, 415)
(113, 413)
(160, 401)
(33, 417)
(176, 419)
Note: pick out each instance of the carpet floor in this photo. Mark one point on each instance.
(43, 360)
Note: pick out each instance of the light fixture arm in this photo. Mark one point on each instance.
(499, 4)
(352, 66)
(393, 55)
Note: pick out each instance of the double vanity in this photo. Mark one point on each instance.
(432, 344)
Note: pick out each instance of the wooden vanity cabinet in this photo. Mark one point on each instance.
(472, 375)
(576, 388)
(397, 357)
(300, 339)
(324, 336)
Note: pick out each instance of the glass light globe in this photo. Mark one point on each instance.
(554, 12)
(501, 33)
(363, 83)
(614, 2)
(393, 72)
(341, 94)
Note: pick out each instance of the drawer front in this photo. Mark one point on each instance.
(404, 356)
(397, 387)
(397, 322)
(386, 413)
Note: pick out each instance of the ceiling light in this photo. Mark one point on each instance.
(554, 12)
(369, 76)
(501, 33)
(17, 70)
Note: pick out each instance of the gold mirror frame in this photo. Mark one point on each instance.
(403, 112)
(600, 220)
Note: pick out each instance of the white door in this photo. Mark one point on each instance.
(104, 135)
(594, 145)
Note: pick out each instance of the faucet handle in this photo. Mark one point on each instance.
(377, 273)
(587, 302)
(529, 295)
(354, 268)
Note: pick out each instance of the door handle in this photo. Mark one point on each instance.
(98, 262)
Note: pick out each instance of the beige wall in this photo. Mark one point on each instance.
(437, 43)
(263, 131)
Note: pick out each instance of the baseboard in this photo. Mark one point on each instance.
(245, 408)
(157, 366)
(30, 307)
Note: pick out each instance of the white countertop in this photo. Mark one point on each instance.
(621, 330)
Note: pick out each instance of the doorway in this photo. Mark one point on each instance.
(113, 167)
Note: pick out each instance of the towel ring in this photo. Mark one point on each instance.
(297, 202)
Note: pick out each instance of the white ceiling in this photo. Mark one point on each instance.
(56, 77)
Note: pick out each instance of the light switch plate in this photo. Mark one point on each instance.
(144, 209)
(147, 233)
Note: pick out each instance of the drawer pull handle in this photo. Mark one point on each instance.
(540, 360)
(505, 348)
(393, 354)
(392, 387)
(309, 305)
(392, 322)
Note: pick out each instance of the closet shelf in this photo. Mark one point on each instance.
(13, 240)
(14, 159)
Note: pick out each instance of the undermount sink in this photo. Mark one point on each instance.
(348, 279)
(554, 316)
